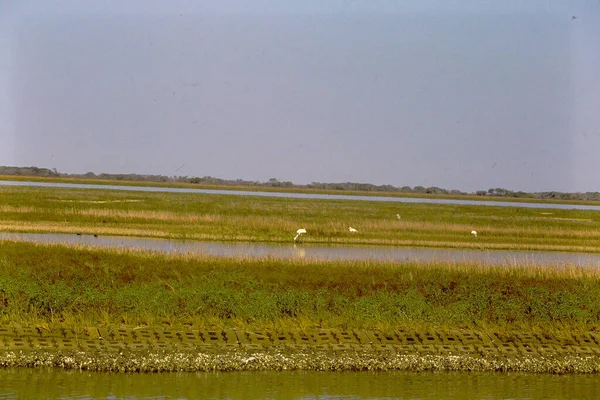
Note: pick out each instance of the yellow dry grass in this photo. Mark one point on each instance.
(64, 227)
(486, 230)
(19, 209)
(58, 227)
(286, 224)
(113, 213)
(100, 201)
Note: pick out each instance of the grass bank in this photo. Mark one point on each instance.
(48, 284)
(254, 219)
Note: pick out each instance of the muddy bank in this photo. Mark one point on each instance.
(286, 359)
(155, 350)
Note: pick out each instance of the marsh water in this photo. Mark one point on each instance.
(316, 252)
(65, 384)
(315, 196)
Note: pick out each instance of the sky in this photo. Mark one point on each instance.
(466, 95)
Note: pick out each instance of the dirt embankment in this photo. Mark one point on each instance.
(153, 350)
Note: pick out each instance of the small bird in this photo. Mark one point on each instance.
(398, 216)
(299, 232)
(351, 229)
(474, 233)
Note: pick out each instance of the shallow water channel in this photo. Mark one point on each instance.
(316, 252)
(65, 384)
(315, 196)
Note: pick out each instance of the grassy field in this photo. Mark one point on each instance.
(259, 219)
(48, 284)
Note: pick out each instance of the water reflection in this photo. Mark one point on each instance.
(56, 383)
(318, 252)
(300, 251)
(302, 195)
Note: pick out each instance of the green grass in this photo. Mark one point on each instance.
(47, 284)
(258, 219)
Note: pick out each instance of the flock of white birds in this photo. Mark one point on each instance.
(302, 231)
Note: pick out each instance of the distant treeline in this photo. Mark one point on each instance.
(345, 186)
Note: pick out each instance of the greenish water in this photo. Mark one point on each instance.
(63, 384)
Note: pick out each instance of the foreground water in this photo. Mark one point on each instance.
(317, 252)
(65, 384)
(302, 195)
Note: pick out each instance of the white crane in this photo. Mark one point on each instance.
(299, 232)
(474, 233)
(398, 216)
(351, 229)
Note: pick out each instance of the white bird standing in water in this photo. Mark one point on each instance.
(351, 229)
(299, 232)
(474, 233)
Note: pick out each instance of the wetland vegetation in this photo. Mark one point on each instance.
(80, 286)
(250, 219)
(46, 284)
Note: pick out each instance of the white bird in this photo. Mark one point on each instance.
(398, 216)
(351, 229)
(299, 232)
(474, 233)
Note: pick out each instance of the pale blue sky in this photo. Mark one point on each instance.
(456, 94)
